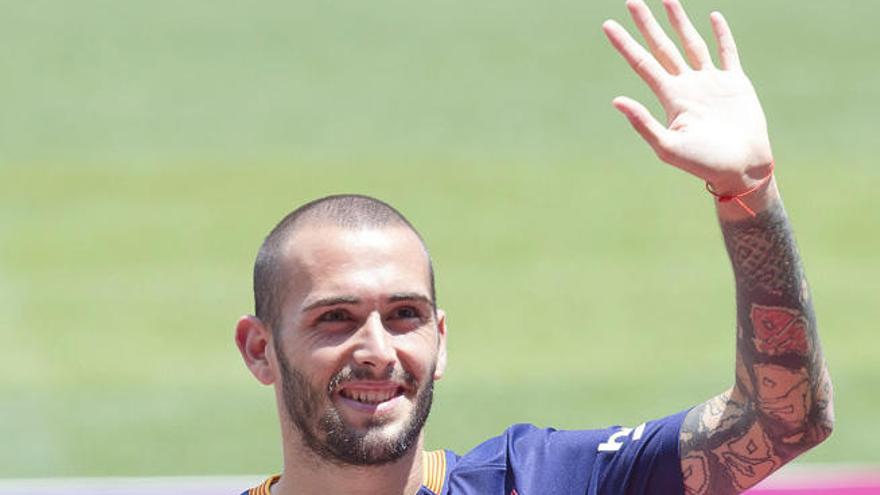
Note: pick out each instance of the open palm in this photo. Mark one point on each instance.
(715, 127)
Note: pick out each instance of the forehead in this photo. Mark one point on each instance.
(327, 261)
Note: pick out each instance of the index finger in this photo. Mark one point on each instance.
(645, 65)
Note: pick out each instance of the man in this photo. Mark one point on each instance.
(347, 330)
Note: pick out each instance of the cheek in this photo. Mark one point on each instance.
(320, 365)
(316, 365)
(417, 352)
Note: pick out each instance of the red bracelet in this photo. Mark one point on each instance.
(723, 198)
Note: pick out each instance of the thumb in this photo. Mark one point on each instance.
(652, 131)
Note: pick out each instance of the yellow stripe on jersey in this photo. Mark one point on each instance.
(434, 469)
(433, 472)
(264, 488)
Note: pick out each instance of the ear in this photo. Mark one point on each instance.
(441, 345)
(254, 342)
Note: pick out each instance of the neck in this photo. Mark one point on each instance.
(304, 474)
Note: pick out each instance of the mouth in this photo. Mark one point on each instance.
(372, 398)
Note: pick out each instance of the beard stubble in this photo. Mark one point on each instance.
(329, 437)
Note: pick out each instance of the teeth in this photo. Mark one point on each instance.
(369, 396)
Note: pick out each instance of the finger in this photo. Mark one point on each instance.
(652, 131)
(694, 46)
(661, 46)
(645, 65)
(727, 53)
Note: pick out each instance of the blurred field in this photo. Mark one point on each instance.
(146, 148)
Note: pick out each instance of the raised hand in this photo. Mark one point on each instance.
(715, 127)
(716, 130)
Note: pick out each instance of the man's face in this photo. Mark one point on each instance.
(359, 344)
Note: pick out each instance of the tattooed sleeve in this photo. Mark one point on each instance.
(780, 405)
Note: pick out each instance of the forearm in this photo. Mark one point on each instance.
(780, 405)
(780, 367)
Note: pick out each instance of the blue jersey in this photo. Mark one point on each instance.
(526, 460)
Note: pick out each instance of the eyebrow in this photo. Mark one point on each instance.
(410, 296)
(396, 297)
(331, 301)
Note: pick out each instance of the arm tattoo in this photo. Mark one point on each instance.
(780, 405)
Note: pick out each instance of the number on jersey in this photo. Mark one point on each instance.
(615, 441)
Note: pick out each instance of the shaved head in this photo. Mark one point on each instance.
(349, 211)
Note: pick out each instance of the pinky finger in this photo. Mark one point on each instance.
(727, 52)
(652, 131)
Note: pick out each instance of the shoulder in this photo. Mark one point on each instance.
(528, 459)
(609, 460)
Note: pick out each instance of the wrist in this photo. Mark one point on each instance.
(741, 182)
(748, 206)
(746, 185)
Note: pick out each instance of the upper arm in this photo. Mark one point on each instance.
(728, 444)
(723, 448)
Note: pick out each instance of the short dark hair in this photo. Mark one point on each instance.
(342, 210)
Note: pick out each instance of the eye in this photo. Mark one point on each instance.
(335, 315)
(406, 312)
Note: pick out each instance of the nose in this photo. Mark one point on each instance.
(373, 347)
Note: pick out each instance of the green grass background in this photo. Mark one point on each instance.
(147, 147)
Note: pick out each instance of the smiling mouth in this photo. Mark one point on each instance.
(371, 396)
